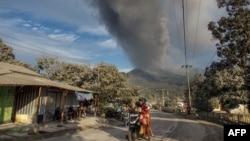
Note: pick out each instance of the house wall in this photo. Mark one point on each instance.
(53, 99)
(26, 104)
(71, 100)
(6, 103)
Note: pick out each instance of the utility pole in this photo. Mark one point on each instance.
(168, 99)
(97, 109)
(188, 85)
(146, 93)
(186, 64)
(163, 99)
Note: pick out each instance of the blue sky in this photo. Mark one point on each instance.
(73, 32)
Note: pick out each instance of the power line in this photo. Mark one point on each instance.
(20, 40)
(27, 48)
(211, 59)
(32, 49)
(186, 66)
(184, 32)
(196, 33)
(42, 51)
(177, 29)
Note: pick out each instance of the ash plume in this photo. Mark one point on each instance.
(140, 28)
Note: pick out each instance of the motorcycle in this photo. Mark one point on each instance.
(111, 113)
(134, 126)
(125, 117)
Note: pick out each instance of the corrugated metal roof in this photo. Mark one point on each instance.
(12, 75)
(18, 69)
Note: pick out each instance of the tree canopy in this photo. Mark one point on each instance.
(103, 78)
(226, 79)
(7, 55)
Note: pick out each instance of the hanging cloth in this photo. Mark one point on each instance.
(83, 96)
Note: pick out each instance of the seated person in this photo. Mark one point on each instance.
(57, 114)
(70, 113)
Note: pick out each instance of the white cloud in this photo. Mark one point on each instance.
(34, 28)
(110, 43)
(8, 23)
(77, 14)
(27, 25)
(31, 38)
(57, 31)
(27, 43)
(69, 38)
(54, 34)
(126, 70)
(96, 30)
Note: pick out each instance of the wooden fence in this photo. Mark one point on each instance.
(224, 118)
(220, 118)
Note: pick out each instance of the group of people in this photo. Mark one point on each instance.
(143, 110)
(81, 110)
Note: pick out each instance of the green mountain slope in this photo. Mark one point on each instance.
(153, 83)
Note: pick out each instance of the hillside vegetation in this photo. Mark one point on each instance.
(162, 82)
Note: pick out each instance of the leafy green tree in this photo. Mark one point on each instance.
(6, 52)
(248, 87)
(7, 55)
(197, 94)
(228, 76)
(103, 78)
(74, 74)
(48, 66)
(112, 84)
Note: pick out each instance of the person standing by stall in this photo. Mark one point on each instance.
(80, 109)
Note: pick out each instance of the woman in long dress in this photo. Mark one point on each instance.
(145, 119)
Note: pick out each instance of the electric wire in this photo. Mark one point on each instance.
(36, 49)
(196, 33)
(177, 29)
(15, 44)
(20, 40)
(13, 38)
(184, 32)
(210, 61)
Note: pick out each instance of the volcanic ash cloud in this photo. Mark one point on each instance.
(139, 27)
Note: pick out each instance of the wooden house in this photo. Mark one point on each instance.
(27, 97)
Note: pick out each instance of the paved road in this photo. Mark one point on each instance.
(166, 127)
(172, 127)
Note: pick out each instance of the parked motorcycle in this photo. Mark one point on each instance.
(125, 117)
(134, 126)
(111, 113)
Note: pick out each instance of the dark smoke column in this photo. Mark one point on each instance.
(139, 27)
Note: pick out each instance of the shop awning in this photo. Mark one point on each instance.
(83, 96)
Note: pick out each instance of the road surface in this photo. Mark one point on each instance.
(166, 127)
